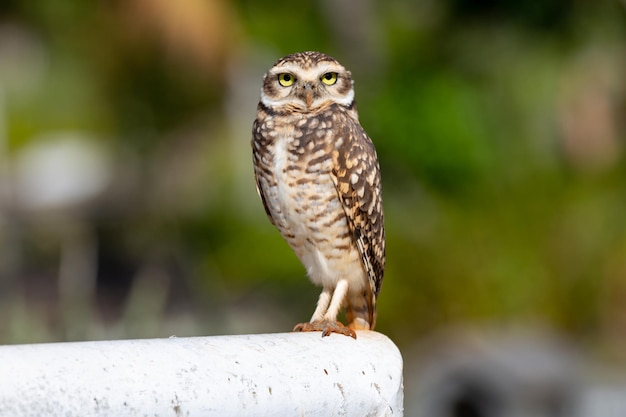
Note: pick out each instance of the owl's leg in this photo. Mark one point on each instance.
(325, 317)
(322, 305)
(337, 301)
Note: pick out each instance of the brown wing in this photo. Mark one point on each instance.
(356, 175)
(259, 190)
(256, 160)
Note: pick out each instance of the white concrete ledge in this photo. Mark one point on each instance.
(290, 374)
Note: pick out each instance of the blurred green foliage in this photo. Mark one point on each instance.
(499, 127)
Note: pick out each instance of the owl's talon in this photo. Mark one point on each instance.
(326, 327)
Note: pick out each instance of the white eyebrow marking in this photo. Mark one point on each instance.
(308, 74)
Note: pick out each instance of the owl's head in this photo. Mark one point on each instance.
(305, 82)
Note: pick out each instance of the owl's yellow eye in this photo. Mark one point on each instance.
(329, 78)
(286, 79)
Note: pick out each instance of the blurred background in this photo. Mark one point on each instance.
(128, 208)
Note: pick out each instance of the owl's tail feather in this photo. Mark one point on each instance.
(361, 311)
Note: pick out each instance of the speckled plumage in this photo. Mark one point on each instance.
(317, 174)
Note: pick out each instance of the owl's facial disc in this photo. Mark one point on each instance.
(307, 88)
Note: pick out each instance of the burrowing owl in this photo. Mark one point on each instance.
(317, 174)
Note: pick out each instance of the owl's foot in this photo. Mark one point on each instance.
(326, 327)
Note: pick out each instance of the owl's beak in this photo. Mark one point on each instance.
(308, 94)
(308, 98)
